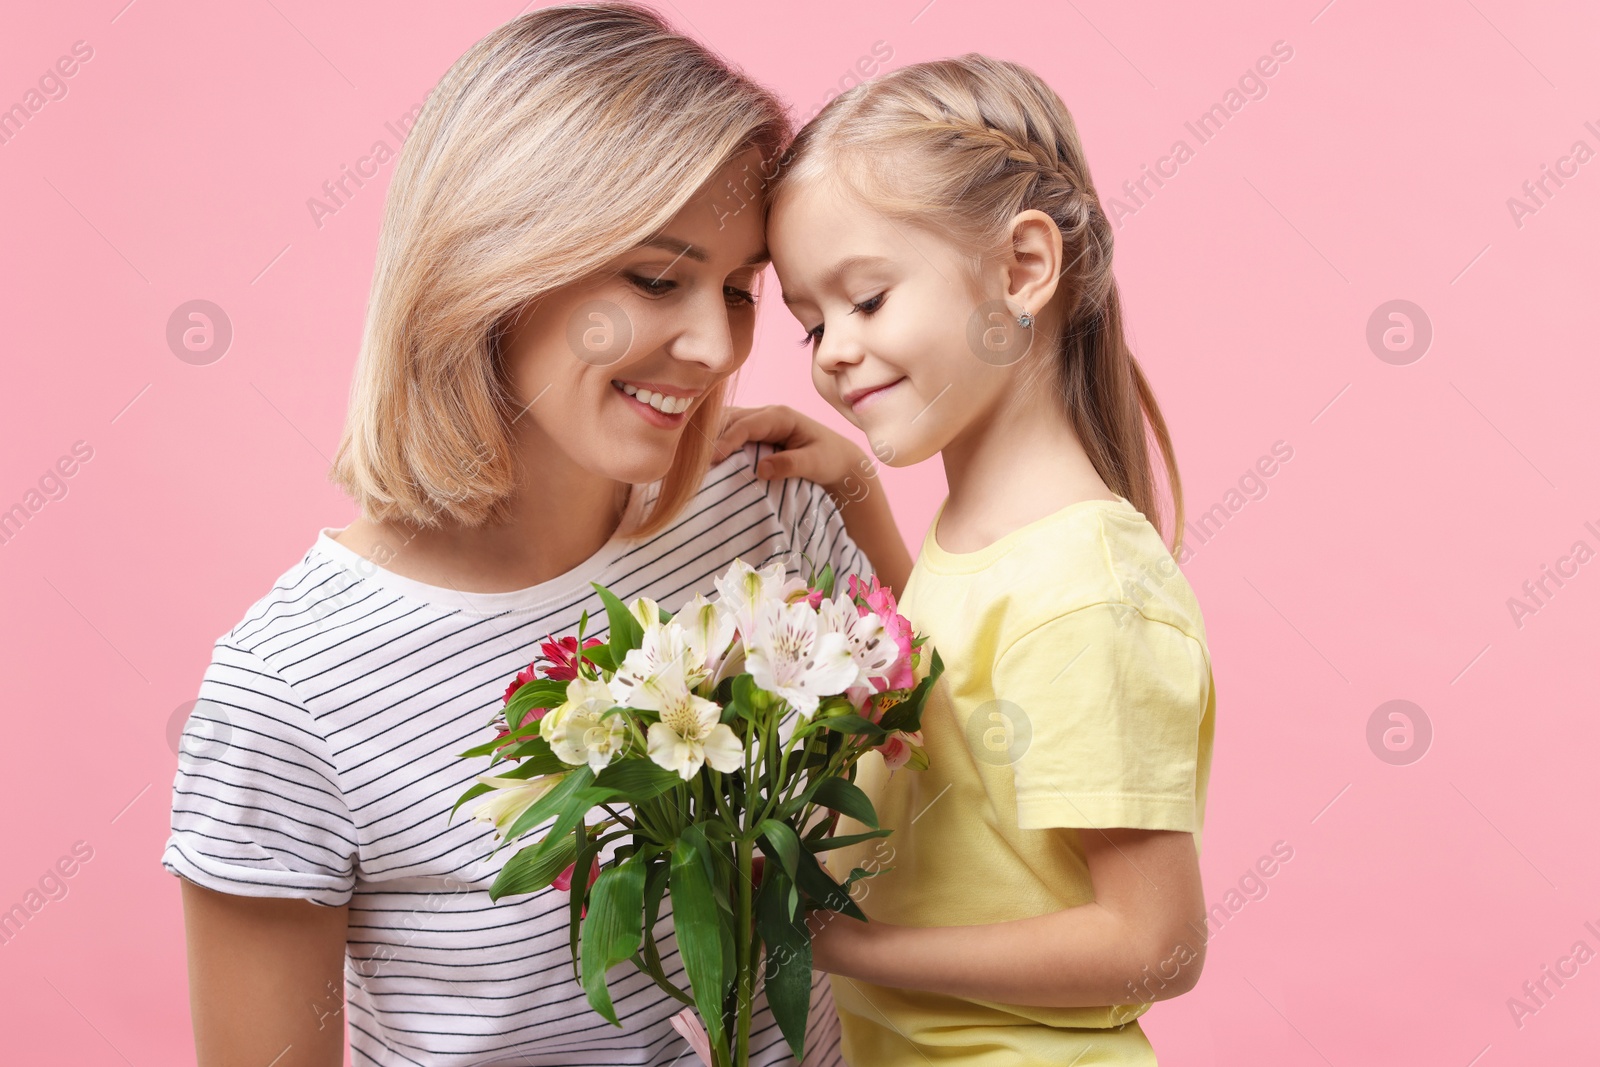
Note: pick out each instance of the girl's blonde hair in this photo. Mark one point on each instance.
(961, 146)
(557, 142)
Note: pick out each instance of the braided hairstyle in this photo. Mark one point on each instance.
(961, 146)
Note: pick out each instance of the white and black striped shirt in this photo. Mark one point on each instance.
(321, 763)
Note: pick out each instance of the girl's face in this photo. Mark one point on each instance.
(611, 368)
(896, 320)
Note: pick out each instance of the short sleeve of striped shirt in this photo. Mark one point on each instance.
(256, 806)
(818, 536)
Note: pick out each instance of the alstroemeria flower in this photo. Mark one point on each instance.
(881, 602)
(562, 656)
(690, 735)
(900, 748)
(793, 655)
(583, 735)
(743, 590)
(871, 649)
(708, 630)
(585, 696)
(666, 648)
(647, 612)
(511, 797)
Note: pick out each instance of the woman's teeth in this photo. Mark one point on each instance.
(667, 405)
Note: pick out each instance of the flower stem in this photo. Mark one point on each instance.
(745, 954)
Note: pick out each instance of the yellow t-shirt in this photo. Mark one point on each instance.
(1077, 692)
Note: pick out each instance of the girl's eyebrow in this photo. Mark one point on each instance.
(695, 252)
(832, 275)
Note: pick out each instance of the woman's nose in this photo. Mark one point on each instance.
(708, 339)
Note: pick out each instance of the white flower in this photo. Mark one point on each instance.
(647, 612)
(708, 629)
(743, 590)
(689, 735)
(582, 736)
(791, 654)
(666, 648)
(872, 649)
(585, 696)
(512, 797)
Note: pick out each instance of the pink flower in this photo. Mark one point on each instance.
(689, 1026)
(563, 657)
(875, 599)
(524, 676)
(563, 881)
(900, 748)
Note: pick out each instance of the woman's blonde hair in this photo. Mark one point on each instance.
(554, 144)
(961, 146)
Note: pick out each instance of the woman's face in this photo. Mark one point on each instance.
(612, 367)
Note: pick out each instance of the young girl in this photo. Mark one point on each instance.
(938, 235)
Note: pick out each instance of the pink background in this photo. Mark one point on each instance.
(1378, 566)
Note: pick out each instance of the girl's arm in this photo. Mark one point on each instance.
(818, 454)
(1141, 939)
(266, 979)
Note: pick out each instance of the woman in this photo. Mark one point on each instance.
(565, 282)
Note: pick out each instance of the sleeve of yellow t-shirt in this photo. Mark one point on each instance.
(1112, 703)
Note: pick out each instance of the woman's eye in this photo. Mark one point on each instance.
(737, 295)
(812, 336)
(652, 286)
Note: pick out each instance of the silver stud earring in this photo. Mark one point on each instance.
(1025, 320)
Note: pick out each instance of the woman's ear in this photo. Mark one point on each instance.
(1033, 267)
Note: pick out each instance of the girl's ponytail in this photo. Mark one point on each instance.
(973, 141)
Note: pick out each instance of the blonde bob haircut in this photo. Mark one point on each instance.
(554, 144)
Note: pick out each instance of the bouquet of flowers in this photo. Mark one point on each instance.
(687, 743)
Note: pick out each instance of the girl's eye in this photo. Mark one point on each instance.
(652, 286)
(736, 295)
(869, 305)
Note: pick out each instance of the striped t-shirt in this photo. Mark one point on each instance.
(321, 763)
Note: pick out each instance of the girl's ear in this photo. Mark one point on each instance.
(1033, 267)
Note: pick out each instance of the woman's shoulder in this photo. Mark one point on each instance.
(306, 592)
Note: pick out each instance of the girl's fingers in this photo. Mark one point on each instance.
(771, 424)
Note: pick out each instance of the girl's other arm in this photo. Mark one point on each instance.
(818, 454)
(1141, 939)
(266, 979)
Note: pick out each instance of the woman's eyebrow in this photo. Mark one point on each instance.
(695, 252)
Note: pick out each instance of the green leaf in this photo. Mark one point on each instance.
(819, 886)
(536, 866)
(845, 797)
(576, 780)
(612, 930)
(649, 959)
(626, 633)
(568, 819)
(476, 791)
(542, 693)
(785, 842)
(829, 843)
(697, 923)
(638, 780)
(854, 724)
(600, 656)
(588, 849)
(788, 963)
(825, 582)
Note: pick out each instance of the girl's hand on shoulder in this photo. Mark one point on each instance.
(810, 450)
